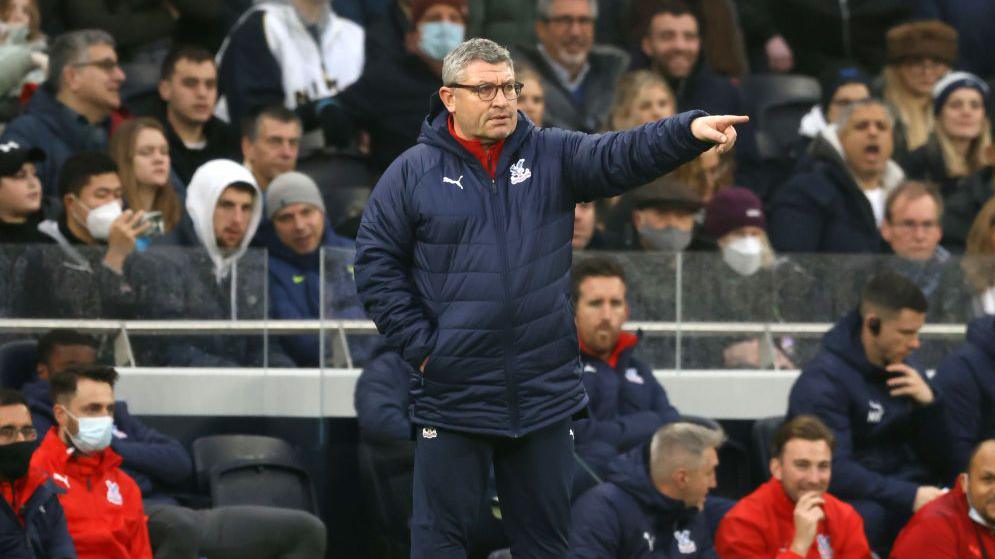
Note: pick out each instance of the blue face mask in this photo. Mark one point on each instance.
(440, 37)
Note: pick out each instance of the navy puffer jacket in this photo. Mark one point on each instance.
(474, 273)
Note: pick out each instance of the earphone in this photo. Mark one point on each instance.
(874, 325)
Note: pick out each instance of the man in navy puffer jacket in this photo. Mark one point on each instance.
(652, 506)
(892, 440)
(463, 261)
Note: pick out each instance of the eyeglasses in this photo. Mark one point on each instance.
(487, 91)
(568, 21)
(9, 433)
(107, 64)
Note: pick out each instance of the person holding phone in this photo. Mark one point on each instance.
(893, 445)
(793, 515)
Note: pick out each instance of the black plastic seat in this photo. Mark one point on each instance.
(762, 435)
(776, 104)
(17, 363)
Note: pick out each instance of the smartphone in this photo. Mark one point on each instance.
(157, 226)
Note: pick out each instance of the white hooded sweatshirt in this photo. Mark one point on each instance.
(206, 186)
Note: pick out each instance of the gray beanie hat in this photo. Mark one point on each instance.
(292, 188)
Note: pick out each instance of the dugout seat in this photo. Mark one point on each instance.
(776, 104)
(17, 363)
(761, 438)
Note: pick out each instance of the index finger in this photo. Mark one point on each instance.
(734, 119)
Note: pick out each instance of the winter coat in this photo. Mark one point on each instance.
(563, 110)
(762, 526)
(966, 378)
(103, 505)
(629, 517)
(823, 209)
(382, 399)
(705, 90)
(943, 530)
(886, 447)
(963, 197)
(295, 293)
(156, 462)
(222, 142)
(58, 130)
(472, 271)
(32, 523)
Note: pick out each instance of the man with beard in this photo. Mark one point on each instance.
(578, 76)
(792, 515)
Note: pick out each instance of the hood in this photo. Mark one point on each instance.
(812, 123)
(312, 260)
(828, 148)
(206, 186)
(630, 472)
(843, 340)
(981, 333)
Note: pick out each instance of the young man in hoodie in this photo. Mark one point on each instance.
(32, 522)
(652, 504)
(301, 229)
(103, 504)
(890, 427)
(21, 197)
(793, 516)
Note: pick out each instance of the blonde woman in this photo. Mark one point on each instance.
(919, 54)
(641, 96)
(979, 261)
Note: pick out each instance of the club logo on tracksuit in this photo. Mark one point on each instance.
(632, 375)
(684, 542)
(650, 540)
(519, 173)
(114, 493)
(825, 548)
(875, 413)
(429, 433)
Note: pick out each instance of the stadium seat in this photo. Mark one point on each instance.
(763, 434)
(253, 470)
(733, 474)
(776, 105)
(17, 363)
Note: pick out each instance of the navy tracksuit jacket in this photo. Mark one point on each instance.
(474, 273)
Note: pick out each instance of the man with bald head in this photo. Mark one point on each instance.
(960, 524)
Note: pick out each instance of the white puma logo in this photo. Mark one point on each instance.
(451, 181)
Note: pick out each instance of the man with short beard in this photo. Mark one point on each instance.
(578, 76)
(793, 516)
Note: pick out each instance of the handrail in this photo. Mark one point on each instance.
(287, 327)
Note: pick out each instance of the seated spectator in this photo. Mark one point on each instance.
(73, 110)
(673, 44)
(913, 225)
(140, 149)
(578, 77)
(959, 523)
(957, 148)
(652, 500)
(103, 504)
(23, 53)
(159, 465)
(663, 217)
(21, 200)
(390, 100)
(532, 101)
(890, 429)
(919, 54)
(793, 515)
(640, 97)
(297, 212)
(34, 525)
(270, 143)
(837, 205)
(840, 88)
(83, 278)
(587, 236)
(978, 266)
(627, 404)
(708, 173)
(287, 53)
(188, 88)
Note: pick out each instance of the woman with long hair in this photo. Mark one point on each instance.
(641, 96)
(140, 149)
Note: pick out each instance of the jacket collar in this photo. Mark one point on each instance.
(487, 156)
(626, 340)
(76, 464)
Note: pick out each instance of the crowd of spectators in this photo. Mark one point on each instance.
(149, 170)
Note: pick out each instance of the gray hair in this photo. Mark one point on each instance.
(847, 113)
(544, 8)
(460, 57)
(73, 48)
(682, 445)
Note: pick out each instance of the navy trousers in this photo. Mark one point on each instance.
(533, 474)
(881, 524)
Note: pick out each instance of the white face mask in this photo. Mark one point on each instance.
(744, 255)
(94, 433)
(99, 220)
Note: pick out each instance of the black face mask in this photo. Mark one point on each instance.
(14, 459)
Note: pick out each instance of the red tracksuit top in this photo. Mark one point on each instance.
(942, 529)
(762, 526)
(103, 505)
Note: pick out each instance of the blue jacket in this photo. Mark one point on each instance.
(627, 517)
(966, 378)
(627, 403)
(295, 293)
(44, 533)
(156, 462)
(56, 129)
(885, 446)
(382, 399)
(474, 272)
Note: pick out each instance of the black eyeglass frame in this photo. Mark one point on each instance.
(516, 87)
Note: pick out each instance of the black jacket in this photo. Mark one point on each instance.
(223, 142)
